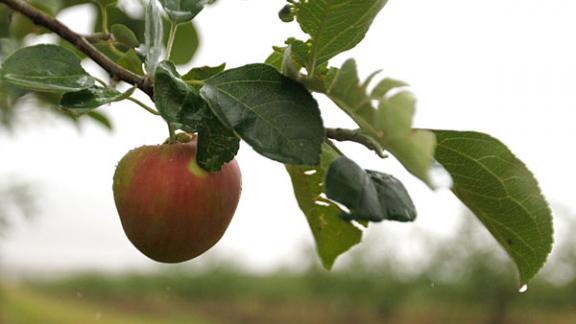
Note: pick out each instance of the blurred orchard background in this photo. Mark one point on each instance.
(503, 67)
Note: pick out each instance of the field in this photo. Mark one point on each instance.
(235, 297)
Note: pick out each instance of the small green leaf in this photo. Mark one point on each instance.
(335, 26)
(203, 73)
(100, 119)
(181, 106)
(391, 124)
(180, 11)
(128, 59)
(91, 98)
(369, 195)
(277, 116)
(275, 59)
(125, 35)
(49, 68)
(501, 191)
(333, 235)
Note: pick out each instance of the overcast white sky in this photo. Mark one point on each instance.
(504, 67)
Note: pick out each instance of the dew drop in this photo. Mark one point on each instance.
(439, 177)
(523, 289)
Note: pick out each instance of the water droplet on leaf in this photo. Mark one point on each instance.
(523, 289)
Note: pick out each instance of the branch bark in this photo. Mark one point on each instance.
(81, 43)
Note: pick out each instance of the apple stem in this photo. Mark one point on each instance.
(172, 133)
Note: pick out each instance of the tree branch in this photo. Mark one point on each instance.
(352, 135)
(81, 43)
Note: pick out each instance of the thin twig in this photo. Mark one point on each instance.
(81, 43)
(351, 135)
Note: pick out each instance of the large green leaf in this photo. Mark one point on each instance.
(333, 235)
(274, 114)
(369, 195)
(180, 11)
(181, 106)
(46, 67)
(335, 25)
(390, 124)
(91, 98)
(502, 193)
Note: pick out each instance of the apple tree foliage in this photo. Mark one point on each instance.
(270, 107)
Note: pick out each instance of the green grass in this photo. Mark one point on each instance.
(23, 305)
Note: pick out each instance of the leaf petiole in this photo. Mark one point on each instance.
(144, 106)
(171, 37)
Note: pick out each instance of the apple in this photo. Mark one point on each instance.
(170, 208)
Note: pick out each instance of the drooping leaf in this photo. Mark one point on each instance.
(181, 11)
(45, 67)
(333, 235)
(91, 98)
(390, 124)
(216, 143)
(501, 191)
(100, 119)
(335, 25)
(181, 105)
(274, 114)
(369, 195)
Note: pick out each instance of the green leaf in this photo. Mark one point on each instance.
(203, 73)
(91, 98)
(49, 68)
(390, 124)
(501, 191)
(180, 11)
(335, 26)
(333, 235)
(125, 35)
(5, 20)
(128, 59)
(216, 143)
(275, 59)
(277, 116)
(181, 106)
(100, 119)
(173, 96)
(185, 43)
(369, 195)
